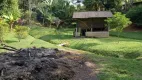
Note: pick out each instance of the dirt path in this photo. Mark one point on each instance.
(84, 70)
(84, 73)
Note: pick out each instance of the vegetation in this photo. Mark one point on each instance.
(114, 60)
(102, 46)
(21, 32)
(118, 22)
(3, 30)
(10, 20)
(131, 35)
(98, 5)
(135, 14)
(9, 7)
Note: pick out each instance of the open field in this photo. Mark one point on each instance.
(26, 43)
(115, 58)
(112, 46)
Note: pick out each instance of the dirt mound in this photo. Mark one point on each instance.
(35, 64)
(133, 28)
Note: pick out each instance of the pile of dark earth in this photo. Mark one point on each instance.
(43, 64)
(35, 64)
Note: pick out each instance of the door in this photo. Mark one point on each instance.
(83, 32)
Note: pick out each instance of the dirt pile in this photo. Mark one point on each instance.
(35, 64)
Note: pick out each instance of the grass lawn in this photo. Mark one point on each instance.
(112, 46)
(26, 43)
(132, 35)
(115, 57)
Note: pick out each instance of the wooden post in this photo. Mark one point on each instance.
(91, 30)
(76, 31)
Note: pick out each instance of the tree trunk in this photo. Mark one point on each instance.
(43, 22)
(11, 26)
(29, 3)
(50, 25)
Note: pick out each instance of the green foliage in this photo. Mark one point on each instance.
(93, 4)
(9, 7)
(10, 19)
(10, 11)
(135, 15)
(21, 32)
(3, 30)
(50, 18)
(118, 22)
(96, 5)
(56, 8)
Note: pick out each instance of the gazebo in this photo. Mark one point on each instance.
(91, 23)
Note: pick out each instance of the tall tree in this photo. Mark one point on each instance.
(97, 5)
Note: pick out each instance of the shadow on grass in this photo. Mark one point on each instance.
(10, 41)
(53, 37)
(83, 46)
(117, 40)
(130, 35)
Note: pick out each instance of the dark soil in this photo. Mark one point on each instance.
(44, 64)
(133, 28)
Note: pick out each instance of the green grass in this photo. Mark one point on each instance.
(132, 35)
(115, 57)
(26, 43)
(117, 68)
(112, 46)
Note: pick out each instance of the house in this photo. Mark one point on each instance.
(91, 23)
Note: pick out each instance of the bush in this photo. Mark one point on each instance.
(21, 32)
(135, 15)
(118, 22)
(3, 29)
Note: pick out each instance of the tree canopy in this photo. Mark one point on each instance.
(8, 7)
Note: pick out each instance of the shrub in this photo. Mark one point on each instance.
(135, 15)
(21, 32)
(3, 29)
(118, 22)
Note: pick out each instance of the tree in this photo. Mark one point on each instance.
(10, 11)
(10, 19)
(118, 22)
(51, 9)
(51, 18)
(94, 5)
(135, 15)
(21, 32)
(9, 7)
(64, 11)
(99, 5)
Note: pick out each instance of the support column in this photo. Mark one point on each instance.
(91, 30)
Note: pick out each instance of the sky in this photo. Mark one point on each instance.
(74, 2)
